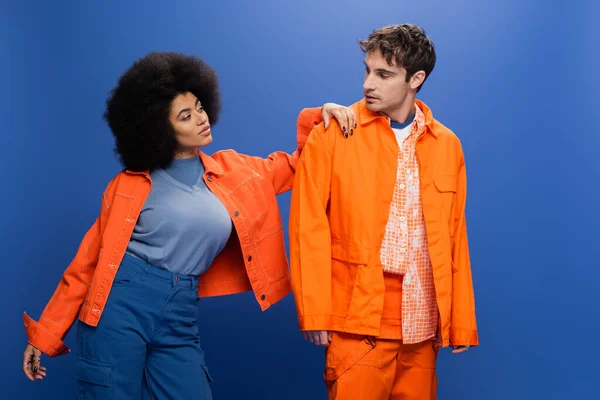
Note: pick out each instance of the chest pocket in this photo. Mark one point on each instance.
(249, 198)
(445, 183)
(446, 186)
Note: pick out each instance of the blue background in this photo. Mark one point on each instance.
(516, 80)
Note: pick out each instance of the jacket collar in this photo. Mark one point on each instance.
(210, 166)
(365, 116)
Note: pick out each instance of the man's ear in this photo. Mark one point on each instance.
(417, 79)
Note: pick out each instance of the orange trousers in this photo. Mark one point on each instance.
(367, 368)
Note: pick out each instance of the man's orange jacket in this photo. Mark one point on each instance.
(340, 205)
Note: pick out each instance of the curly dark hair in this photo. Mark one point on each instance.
(138, 108)
(407, 43)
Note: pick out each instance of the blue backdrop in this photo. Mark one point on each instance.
(516, 80)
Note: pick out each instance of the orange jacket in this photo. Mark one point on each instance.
(339, 210)
(253, 259)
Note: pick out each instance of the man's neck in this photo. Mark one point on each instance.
(402, 113)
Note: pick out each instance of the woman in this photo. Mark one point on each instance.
(169, 215)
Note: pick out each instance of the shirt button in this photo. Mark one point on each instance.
(249, 258)
(176, 279)
(402, 186)
(209, 178)
(236, 213)
(403, 250)
(263, 297)
(402, 219)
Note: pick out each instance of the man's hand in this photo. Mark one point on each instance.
(459, 349)
(320, 338)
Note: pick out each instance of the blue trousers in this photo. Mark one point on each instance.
(146, 345)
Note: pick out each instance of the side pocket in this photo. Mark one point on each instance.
(352, 352)
(348, 266)
(125, 276)
(93, 378)
(272, 256)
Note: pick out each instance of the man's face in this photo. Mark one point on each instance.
(385, 86)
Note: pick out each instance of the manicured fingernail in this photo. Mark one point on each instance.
(344, 128)
(345, 134)
(355, 125)
(351, 131)
(35, 369)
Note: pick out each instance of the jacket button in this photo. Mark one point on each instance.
(263, 297)
(209, 178)
(249, 258)
(236, 213)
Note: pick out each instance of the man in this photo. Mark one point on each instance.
(379, 255)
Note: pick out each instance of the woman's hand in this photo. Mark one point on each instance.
(31, 363)
(344, 116)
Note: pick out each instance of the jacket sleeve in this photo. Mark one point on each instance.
(279, 166)
(310, 236)
(62, 310)
(463, 329)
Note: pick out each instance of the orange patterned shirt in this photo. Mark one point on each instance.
(404, 249)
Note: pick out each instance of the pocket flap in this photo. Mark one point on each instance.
(445, 183)
(357, 353)
(92, 371)
(349, 252)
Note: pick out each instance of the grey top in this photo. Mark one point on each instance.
(183, 226)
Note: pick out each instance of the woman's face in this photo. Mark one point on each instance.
(190, 122)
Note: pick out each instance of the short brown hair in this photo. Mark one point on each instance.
(407, 43)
